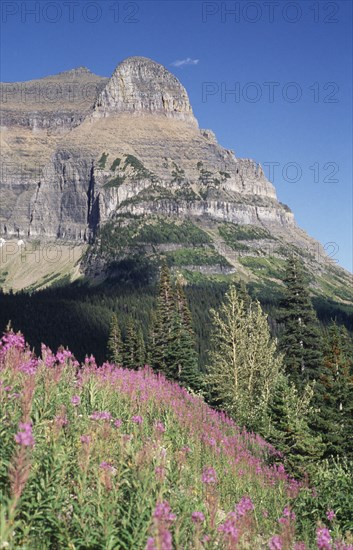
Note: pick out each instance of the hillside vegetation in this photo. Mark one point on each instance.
(105, 457)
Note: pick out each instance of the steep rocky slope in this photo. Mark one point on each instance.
(94, 160)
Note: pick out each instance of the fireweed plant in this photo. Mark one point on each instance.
(105, 457)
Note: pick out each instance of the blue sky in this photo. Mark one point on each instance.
(301, 51)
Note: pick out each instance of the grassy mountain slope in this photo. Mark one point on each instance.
(111, 458)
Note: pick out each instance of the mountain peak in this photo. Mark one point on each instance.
(140, 86)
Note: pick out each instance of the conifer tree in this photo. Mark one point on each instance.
(172, 339)
(162, 324)
(289, 430)
(244, 364)
(334, 393)
(140, 348)
(183, 342)
(183, 307)
(300, 340)
(182, 355)
(115, 344)
(130, 346)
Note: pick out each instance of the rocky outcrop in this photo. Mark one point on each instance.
(139, 86)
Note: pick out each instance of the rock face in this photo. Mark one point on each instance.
(79, 150)
(52, 103)
(139, 86)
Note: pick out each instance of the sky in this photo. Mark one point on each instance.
(272, 79)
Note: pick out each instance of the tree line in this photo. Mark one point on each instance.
(296, 390)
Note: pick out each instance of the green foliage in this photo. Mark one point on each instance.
(172, 339)
(140, 170)
(264, 267)
(102, 161)
(300, 340)
(178, 174)
(289, 417)
(234, 232)
(131, 346)
(244, 366)
(115, 164)
(331, 489)
(196, 256)
(161, 231)
(334, 393)
(115, 344)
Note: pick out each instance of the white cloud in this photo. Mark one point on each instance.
(183, 62)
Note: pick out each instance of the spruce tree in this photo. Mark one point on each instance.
(183, 307)
(289, 426)
(162, 324)
(182, 355)
(243, 362)
(334, 393)
(140, 348)
(172, 339)
(130, 346)
(183, 342)
(115, 344)
(300, 340)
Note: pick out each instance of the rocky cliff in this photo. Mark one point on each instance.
(80, 151)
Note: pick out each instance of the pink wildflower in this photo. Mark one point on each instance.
(137, 419)
(101, 415)
(75, 400)
(323, 538)
(163, 512)
(197, 517)
(61, 420)
(287, 513)
(244, 505)
(118, 423)
(24, 437)
(150, 544)
(106, 466)
(229, 530)
(29, 367)
(85, 439)
(330, 514)
(159, 427)
(209, 475)
(275, 543)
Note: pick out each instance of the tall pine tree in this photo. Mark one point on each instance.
(140, 347)
(334, 393)
(162, 324)
(289, 426)
(300, 341)
(172, 339)
(130, 347)
(115, 344)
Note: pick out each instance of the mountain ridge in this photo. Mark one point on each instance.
(132, 147)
